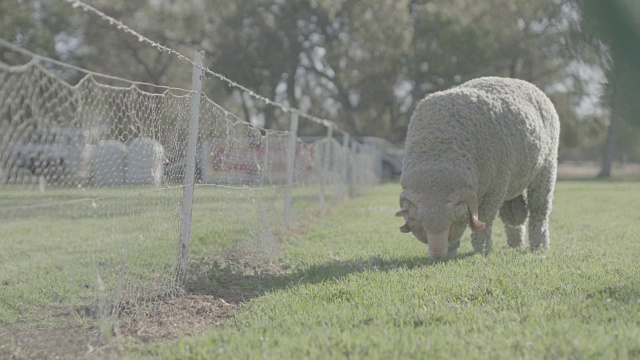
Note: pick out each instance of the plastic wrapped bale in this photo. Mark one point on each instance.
(109, 163)
(144, 162)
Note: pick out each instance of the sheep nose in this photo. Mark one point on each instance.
(438, 244)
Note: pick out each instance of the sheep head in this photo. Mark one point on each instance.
(437, 212)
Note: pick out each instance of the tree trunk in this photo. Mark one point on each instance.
(291, 86)
(612, 134)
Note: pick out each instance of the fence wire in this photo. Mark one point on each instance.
(91, 189)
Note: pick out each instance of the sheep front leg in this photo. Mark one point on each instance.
(453, 249)
(481, 240)
(514, 214)
(540, 196)
(487, 211)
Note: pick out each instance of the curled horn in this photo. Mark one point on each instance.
(404, 211)
(472, 202)
(403, 205)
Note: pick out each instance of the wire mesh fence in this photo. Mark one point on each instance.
(92, 182)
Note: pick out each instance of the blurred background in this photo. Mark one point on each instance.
(366, 64)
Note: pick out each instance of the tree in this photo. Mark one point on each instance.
(456, 41)
(615, 27)
(170, 23)
(363, 64)
(35, 25)
(345, 54)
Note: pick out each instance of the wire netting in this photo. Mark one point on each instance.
(92, 178)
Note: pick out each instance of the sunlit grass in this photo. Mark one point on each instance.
(356, 287)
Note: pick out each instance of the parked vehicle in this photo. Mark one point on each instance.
(58, 154)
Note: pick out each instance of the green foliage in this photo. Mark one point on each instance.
(614, 26)
(363, 64)
(34, 25)
(358, 288)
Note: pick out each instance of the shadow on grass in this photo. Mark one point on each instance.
(239, 282)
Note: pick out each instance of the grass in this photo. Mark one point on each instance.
(346, 285)
(86, 248)
(355, 287)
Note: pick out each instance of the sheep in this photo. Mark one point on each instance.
(471, 152)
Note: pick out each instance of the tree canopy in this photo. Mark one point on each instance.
(363, 64)
(613, 27)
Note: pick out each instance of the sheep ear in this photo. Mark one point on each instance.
(472, 202)
(405, 228)
(402, 212)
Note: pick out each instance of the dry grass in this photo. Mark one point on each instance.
(180, 316)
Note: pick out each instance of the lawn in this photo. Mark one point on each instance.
(82, 248)
(344, 285)
(353, 286)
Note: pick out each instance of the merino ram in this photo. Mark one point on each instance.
(471, 152)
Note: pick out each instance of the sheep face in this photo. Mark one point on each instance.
(437, 204)
(435, 222)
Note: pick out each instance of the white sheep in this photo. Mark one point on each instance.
(471, 152)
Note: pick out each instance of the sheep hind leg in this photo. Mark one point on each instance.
(540, 196)
(515, 235)
(514, 213)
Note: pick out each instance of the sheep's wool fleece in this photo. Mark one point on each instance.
(498, 133)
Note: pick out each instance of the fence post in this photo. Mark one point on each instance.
(190, 171)
(353, 162)
(347, 165)
(291, 162)
(325, 164)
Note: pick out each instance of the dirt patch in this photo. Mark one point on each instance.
(70, 336)
(55, 342)
(181, 316)
(215, 291)
(60, 338)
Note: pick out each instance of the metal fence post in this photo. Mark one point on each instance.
(353, 162)
(325, 164)
(347, 159)
(291, 160)
(189, 176)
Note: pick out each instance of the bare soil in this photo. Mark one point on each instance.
(181, 316)
(214, 292)
(68, 335)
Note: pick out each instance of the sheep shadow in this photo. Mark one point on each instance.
(238, 282)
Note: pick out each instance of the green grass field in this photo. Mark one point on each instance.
(349, 284)
(84, 247)
(355, 287)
